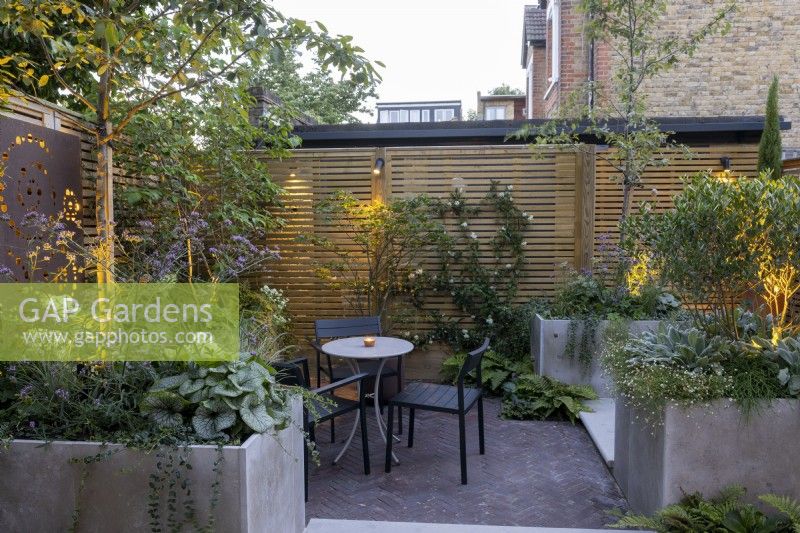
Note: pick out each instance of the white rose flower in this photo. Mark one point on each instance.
(473, 235)
(489, 321)
(524, 243)
(508, 265)
(510, 187)
(464, 224)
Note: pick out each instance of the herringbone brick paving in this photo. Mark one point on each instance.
(533, 474)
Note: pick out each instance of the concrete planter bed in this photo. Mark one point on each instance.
(548, 350)
(706, 448)
(261, 485)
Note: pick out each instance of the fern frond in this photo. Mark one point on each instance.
(637, 521)
(786, 505)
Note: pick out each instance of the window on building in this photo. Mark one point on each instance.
(384, 116)
(394, 116)
(442, 115)
(404, 115)
(415, 115)
(554, 42)
(426, 115)
(497, 112)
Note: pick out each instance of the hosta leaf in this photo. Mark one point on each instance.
(204, 425)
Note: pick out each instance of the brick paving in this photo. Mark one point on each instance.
(533, 474)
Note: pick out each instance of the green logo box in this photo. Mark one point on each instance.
(119, 322)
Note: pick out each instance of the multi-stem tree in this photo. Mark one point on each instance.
(116, 59)
(616, 112)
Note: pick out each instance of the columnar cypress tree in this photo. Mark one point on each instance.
(770, 151)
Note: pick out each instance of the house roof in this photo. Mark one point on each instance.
(534, 30)
(495, 97)
(683, 129)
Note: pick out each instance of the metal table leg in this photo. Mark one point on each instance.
(381, 423)
(354, 367)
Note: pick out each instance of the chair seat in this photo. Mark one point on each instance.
(435, 397)
(323, 410)
(370, 367)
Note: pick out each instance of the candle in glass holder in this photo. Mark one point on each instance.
(369, 342)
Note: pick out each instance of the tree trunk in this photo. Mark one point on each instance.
(626, 206)
(104, 188)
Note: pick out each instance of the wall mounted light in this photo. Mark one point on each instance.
(726, 163)
(378, 167)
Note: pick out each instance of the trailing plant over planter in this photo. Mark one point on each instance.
(725, 513)
(586, 299)
(685, 365)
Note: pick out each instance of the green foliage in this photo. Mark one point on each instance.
(96, 402)
(616, 114)
(770, 150)
(389, 237)
(785, 505)
(504, 89)
(195, 163)
(224, 401)
(723, 514)
(496, 370)
(315, 92)
(582, 295)
(481, 275)
(531, 396)
(585, 299)
(685, 365)
(786, 355)
(724, 239)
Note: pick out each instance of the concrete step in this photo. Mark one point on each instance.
(600, 425)
(319, 525)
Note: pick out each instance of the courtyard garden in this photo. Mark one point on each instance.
(509, 335)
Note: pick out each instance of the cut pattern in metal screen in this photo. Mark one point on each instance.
(40, 179)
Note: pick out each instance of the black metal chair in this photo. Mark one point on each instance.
(295, 372)
(334, 328)
(456, 399)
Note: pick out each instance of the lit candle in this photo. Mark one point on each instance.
(369, 342)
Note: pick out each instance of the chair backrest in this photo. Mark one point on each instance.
(472, 362)
(291, 373)
(331, 328)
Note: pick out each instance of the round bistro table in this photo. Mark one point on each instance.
(352, 350)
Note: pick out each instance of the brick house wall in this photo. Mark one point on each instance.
(729, 75)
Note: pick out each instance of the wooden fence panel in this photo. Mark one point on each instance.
(660, 185)
(544, 185)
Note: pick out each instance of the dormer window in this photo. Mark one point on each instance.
(554, 42)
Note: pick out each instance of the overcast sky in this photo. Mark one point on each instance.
(433, 49)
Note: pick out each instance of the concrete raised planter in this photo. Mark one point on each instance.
(261, 486)
(706, 448)
(549, 346)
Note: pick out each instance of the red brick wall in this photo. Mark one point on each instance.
(539, 80)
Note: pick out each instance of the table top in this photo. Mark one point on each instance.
(353, 348)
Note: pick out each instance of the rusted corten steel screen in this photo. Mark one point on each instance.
(41, 178)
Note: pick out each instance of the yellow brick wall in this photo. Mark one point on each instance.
(730, 75)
